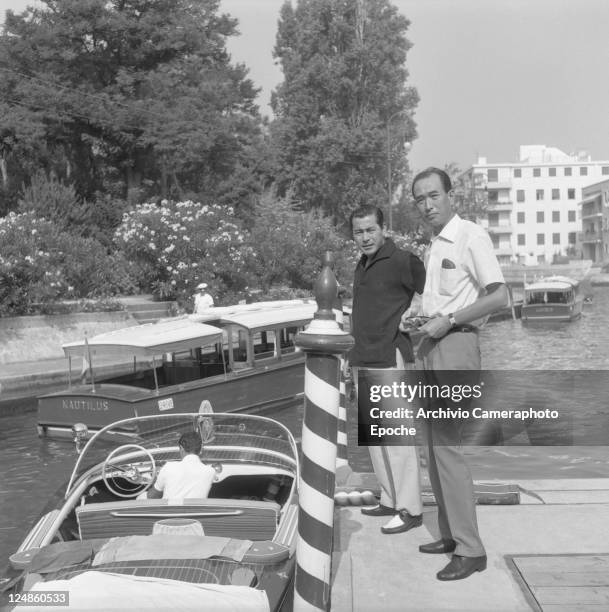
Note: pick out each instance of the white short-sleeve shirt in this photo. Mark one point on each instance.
(203, 301)
(188, 478)
(459, 264)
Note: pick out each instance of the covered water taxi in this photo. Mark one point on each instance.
(242, 358)
(555, 298)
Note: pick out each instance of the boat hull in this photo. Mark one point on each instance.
(552, 312)
(248, 390)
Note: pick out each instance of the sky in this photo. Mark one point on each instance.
(491, 74)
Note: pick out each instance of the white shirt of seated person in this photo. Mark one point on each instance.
(187, 478)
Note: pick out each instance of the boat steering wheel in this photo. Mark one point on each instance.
(139, 474)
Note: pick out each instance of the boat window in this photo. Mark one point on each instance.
(556, 297)
(287, 336)
(238, 345)
(536, 297)
(264, 344)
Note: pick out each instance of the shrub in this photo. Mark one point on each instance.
(40, 264)
(49, 198)
(289, 245)
(177, 245)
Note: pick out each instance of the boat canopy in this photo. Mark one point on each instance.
(260, 320)
(552, 283)
(146, 340)
(218, 312)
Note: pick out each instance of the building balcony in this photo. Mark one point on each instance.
(500, 206)
(503, 250)
(591, 237)
(587, 214)
(499, 229)
(499, 184)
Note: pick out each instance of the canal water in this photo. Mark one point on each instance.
(31, 469)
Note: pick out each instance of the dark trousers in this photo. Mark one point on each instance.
(450, 477)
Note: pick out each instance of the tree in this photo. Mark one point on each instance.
(470, 195)
(132, 96)
(344, 71)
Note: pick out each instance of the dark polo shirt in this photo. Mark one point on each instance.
(382, 290)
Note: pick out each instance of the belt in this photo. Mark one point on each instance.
(464, 327)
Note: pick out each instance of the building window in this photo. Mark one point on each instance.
(519, 195)
(541, 239)
(520, 217)
(567, 171)
(571, 194)
(518, 173)
(493, 219)
(536, 171)
(605, 170)
(556, 194)
(555, 238)
(572, 237)
(583, 171)
(520, 239)
(551, 171)
(540, 216)
(539, 194)
(492, 175)
(571, 217)
(556, 216)
(493, 196)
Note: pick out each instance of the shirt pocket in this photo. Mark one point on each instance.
(449, 280)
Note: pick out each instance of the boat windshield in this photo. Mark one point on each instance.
(226, 438)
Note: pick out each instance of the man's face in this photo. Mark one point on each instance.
(433, 202)
(368, 234)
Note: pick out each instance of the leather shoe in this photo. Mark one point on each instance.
(402, 522)
(379, 510)
(462, 567)
(438, 547)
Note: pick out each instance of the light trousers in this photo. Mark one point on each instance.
(396, 467)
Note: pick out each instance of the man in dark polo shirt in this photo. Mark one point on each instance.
(384, 283)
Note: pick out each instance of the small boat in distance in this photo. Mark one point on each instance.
(242, 358)
(554, 298)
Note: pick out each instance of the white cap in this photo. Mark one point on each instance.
(202, 286)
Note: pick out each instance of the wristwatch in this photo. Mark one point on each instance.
(451, 319)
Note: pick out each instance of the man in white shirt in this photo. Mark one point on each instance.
(464, 284)
(203, 300)
(187, 478)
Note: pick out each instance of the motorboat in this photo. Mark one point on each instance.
(238, 358)
(554, 298)
(101, 545)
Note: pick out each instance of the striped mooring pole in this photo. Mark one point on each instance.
(341, 453)
(323, 341)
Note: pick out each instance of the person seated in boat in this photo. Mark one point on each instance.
(187, 478)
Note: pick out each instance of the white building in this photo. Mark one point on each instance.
(533, 203)
(594, 237)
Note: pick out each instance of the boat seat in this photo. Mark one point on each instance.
(230, 518)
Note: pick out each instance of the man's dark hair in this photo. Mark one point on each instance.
(446, 182)
(191, 442)
(364, 211)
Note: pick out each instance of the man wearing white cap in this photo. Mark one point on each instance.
(203, 300)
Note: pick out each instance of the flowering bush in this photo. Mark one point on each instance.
(177, 245)
(40, 263)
